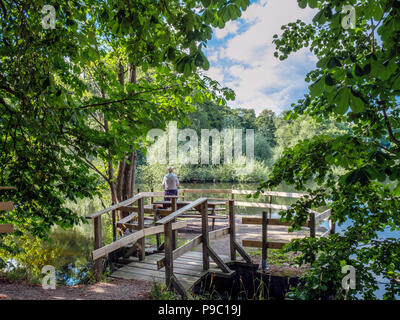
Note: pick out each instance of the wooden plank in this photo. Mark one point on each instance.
(216, 234)
(194, 216)
(322, 216)
(127, 219)
(271, 222)
(261, 205)
(272, 193)
(6, 206)
(181, 250)
(119, 205)
(258, 244)
(6, 228)
(179, 212)
(178, 269)
(103, 251)
(207, 191)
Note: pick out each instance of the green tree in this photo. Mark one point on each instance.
(77, 101)
(356, 81)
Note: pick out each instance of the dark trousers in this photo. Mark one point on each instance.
(169, 193)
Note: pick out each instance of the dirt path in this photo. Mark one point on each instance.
(116, 289)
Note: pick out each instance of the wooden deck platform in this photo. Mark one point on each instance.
(188, 269)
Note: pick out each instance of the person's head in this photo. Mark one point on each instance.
(170, 169)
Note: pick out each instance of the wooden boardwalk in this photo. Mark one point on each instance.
(179, 267)
(188, 269)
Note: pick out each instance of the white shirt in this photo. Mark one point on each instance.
(170, 182)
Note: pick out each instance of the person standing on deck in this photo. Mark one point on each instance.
(170, 184)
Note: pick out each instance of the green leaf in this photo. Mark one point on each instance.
(333, 62)
(342, 100)
(302, 3)
(313, 3)
(317, 87)
(356, 104)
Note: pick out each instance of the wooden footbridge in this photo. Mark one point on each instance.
(181, 267)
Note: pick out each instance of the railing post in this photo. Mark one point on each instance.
(114, 227)
(312, 230)
(158, 240)
(169, 262)
(98, 266)
(264, 240)
(141, 242)
(175, 232)
(232, 229)
(312, 224)
(205, 238)
(270, 209)
(332, 227)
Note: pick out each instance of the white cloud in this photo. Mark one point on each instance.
(245, 62)
(231, 27)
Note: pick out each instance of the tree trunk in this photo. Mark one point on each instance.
(125, 181)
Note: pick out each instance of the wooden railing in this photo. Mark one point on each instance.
(138, 237)
(168, 225)
(172, 253)
(7, 206)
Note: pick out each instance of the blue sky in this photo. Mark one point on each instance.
(242, 57)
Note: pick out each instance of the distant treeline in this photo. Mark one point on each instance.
(273, 133)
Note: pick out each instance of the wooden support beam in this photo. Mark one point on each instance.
(332, 226)
(258, 244)
(158, 238)
(242, 252)
(232, 229)
(312, 224)
(205, 235)
(220, 263)
(174, 233)
(271, 222)
(98, 266)
(169, 261)
(264, 237)
(141, 241)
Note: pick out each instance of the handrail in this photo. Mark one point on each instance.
(233, 191)
(127, 202)
(182, 210)
(323, 216)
